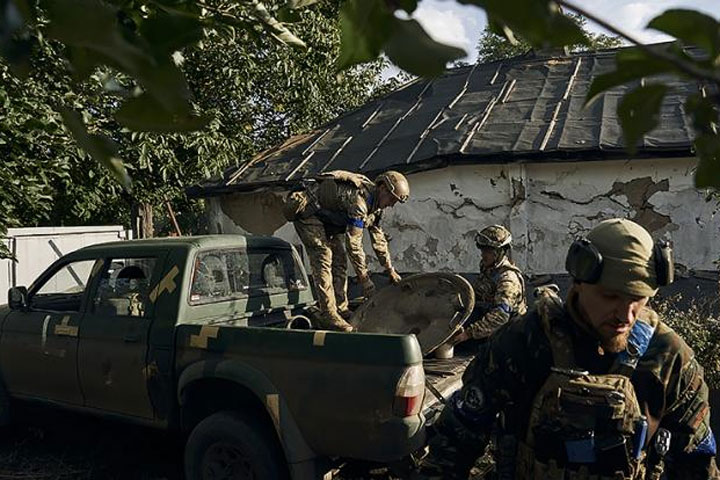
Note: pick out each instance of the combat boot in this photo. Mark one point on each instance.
(333, 321)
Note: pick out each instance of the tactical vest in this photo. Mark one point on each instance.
(522, 308)
(582, 426)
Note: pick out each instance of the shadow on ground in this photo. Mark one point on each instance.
(62, 446)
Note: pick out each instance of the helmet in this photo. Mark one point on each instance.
(396, 183)
(494, 236)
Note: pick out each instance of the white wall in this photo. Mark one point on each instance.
(36, 248)
(545, 205)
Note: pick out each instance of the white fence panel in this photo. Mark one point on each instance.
(36, 248)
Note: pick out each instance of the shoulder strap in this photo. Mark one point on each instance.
(550, 307)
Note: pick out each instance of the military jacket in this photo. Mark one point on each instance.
(350, 197)
(512, 366)
(499, 296)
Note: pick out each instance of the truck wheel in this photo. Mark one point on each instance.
(226, 446)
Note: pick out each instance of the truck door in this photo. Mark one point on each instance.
(114, 337)
(38, 347)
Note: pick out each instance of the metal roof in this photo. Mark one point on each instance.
(528, 108)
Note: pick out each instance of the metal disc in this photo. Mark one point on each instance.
(430, 305)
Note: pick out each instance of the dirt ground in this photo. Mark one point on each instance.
(50, 445)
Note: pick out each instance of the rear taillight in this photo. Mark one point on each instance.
(410, 392)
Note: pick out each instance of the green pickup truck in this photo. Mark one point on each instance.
(192, 334)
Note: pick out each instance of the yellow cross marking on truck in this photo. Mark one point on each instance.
(166, 284)
(273, 406)
(201, 340)
(64, 328)
(319, 338)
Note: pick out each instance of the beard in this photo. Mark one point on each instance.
(616, 343)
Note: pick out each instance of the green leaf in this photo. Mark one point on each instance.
(101, 148)
(167, 33)
(691, 27)
(105, 41)
(704, 113)
(630, 64)
(413, 50)
(300, 3)
(366, 25)
(145, 114)
(408, 6)
(639, 111)
(540, 22)
(276, 29)
(288, 15)
(707, 148)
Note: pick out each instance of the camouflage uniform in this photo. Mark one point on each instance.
(347, 202)
(499, 296)
(660, 385)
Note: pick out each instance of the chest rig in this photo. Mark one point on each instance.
(585, 426)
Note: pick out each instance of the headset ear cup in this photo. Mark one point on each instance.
(584, 261)
(664, 263)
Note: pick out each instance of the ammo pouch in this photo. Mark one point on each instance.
(295, 204)
(585, 423)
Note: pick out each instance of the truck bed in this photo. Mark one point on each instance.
(445, 376)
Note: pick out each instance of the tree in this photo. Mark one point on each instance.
(492, 46)
(254, 91)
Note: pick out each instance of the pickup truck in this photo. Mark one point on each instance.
(190, 334)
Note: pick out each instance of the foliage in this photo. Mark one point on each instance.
(255, 92)
(697, 322)
(492, 47)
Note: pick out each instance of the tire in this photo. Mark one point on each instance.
(226, 446)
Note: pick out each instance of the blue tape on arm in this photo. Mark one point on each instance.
(356, 222)
(504, 307)
(707, 446)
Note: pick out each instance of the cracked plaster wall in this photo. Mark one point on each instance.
(545, 205)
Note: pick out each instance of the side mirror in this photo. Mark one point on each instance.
(17, 298)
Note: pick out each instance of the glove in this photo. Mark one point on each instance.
(461, 336)
(368, 286)
(394, 276)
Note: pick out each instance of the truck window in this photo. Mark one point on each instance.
(63, 291)
(124, 287)
(236, 273)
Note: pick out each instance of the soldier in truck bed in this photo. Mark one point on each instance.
(330, 217)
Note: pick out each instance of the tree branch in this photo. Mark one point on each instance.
(685, 66)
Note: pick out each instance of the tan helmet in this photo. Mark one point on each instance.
(494, 236)
(396, 183)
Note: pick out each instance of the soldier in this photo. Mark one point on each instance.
(595, 388)
(330, 216)
(499, 289)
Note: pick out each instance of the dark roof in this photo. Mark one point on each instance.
(523, 109)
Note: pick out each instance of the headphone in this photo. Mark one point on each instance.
(585, 262)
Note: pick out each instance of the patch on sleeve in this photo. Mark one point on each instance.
(707, 446)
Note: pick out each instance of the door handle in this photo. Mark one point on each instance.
(131, 338)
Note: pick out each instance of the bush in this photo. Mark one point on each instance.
(698, 323)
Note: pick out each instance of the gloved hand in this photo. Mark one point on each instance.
(368, 286)
(394, 276)
(461, 336)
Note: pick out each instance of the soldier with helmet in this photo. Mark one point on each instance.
(597, 387)
(499, 288)
(330, 216)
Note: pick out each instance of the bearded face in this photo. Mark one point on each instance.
(609, 313)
